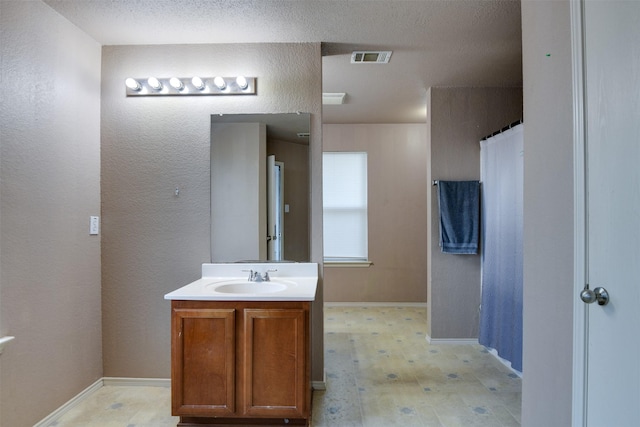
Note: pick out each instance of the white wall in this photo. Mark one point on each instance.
(49, 186)
(548, 214)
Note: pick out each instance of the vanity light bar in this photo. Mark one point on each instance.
(153, 86)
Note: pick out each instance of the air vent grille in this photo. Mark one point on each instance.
(370, 57)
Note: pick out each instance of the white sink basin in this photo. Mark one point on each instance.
(246, 287)
(229, 282)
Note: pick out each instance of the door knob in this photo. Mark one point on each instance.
(599, 294)
(587, 295)
(602, 295)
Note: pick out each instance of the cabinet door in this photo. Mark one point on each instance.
(203, 361)
(274, 371)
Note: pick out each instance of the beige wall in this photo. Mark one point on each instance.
(238, 191)
(458, 118)
(49, 186)
(397, 202)
(154, 242)
(548, 214)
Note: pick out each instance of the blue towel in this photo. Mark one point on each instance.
(459, 203)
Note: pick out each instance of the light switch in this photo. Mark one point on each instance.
(94, 225)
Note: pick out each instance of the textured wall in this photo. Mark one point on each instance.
(397, 204)
(50, 178)
(548, 214)
(153, 241)
(459, 118)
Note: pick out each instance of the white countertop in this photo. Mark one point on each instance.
(301, 280)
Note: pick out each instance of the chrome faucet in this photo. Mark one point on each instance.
(255, 276)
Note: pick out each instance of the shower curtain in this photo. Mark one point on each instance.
(502, 188)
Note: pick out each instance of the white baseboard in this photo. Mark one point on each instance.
(376, 304)
(104, 381)
(491, 351)
(505, 362)
(318, 385)
(49, 419)
(137, 382)
(454, 341)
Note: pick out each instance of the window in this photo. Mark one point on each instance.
(344, 203)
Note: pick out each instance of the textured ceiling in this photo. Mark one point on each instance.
(434, 43)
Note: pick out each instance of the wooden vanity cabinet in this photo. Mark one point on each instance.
(240, 362)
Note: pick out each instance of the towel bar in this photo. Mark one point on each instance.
(435, 182)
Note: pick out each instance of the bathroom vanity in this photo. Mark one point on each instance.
(240, 345)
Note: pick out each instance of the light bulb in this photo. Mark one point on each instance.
(132, 84)
(242, 82)
(220, 83)
(197, 83)
(154, 83)
(176, 83)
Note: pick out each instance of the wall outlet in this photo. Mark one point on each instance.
(94, 225)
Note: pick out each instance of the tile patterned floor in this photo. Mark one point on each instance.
(380, 372)
(122, 406)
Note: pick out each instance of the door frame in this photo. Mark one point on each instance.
(580, 244)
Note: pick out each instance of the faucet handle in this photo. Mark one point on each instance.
(266, 277)
(252, 274)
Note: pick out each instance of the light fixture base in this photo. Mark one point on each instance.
(188, 88)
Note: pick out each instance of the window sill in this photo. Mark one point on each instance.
(348, 264)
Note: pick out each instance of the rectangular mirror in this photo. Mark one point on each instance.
(260, 187)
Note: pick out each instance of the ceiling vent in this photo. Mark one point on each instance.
(370, 57)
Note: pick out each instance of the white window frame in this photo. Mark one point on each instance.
(347, 196)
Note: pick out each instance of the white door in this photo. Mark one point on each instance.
(612, 111)
(275, 207)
